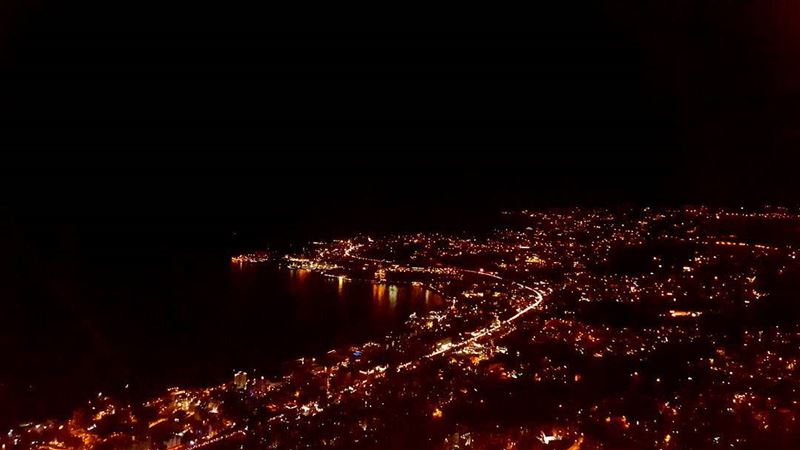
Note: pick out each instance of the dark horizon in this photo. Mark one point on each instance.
(233, 202)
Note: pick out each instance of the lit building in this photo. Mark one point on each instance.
(240, 380)
(264, 385)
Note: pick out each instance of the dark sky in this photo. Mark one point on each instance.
(233, 113)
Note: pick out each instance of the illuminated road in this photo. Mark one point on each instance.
(313, 408)
(216, 439)
(539, 298)
(538, 295)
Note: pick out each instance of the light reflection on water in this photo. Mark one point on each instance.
(389, 302)
(332, 309)
(378, 292)
(384, 295)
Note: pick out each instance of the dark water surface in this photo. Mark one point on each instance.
(96, 327)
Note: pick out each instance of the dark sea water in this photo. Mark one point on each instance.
(151, 324)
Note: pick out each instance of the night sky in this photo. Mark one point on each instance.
(361, 117)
